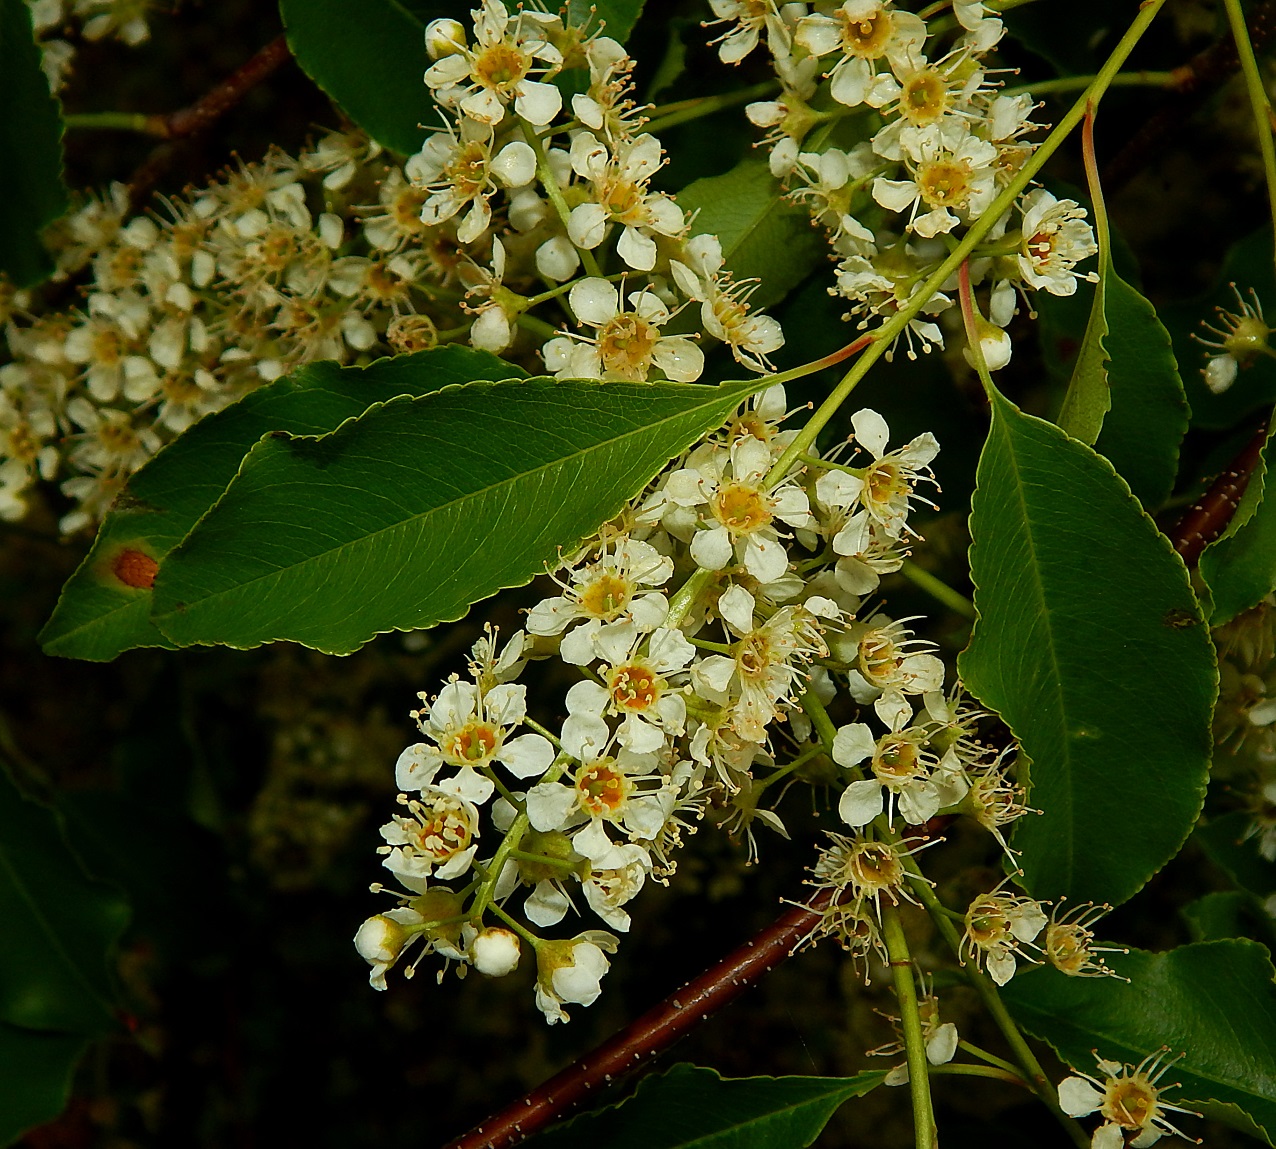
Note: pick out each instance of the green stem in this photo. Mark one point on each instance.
(141, 122)
(925, 1133)
(684, 110)
(530, 938)
(991, 1059)
(1033, 1074)
(555, 193)
(483, 896)
(939, 590)
(685, 597)
(1073, 83)
(537, 326)
(979, 1071)
(885, 336)
(819, 719)
(1258, 101)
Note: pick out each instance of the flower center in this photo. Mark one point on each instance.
(944, 183)
(606, 597)
(444, 832)
(635, 687)
(897, 759)
(500, 66)
(1067, 946)
(472, 745)
(602, 788)
(866, 36)
(754, 656)
(1130, 1103)
(925, 98)
(622, 198)
(741, 508)
(467, 171)
(625, 345)
(884, 483)
(987, 924)
(878, 660)
(873, 867)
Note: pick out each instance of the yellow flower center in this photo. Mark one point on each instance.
(867, 37)
(741, 508)
(944, 183)
(606, 597)
(924, 99)
(602, 788)
(625, 346)
(634, 687)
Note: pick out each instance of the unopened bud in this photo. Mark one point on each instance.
(993, 343)
(444, 37)
(496, 951)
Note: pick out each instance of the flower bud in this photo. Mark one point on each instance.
(496, 951)
(993, 342)
(380, 940)
(444, 37)
(1219, 373)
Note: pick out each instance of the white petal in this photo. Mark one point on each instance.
(852, 744)
(527, 756)
(711, 549)
(538, 103)
(546, 905)
(736, 605)
(860, 803)
(514, 166)
(549, 805)
(1077, 1097)
(871, 431)
(594, 301)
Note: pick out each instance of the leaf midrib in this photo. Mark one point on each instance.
(371, 536)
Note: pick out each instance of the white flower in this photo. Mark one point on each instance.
(952, 172)
(461, 174)
(380, 941)
(627, 344)
(436, 840)
(470, 729)
(1128, 1098)
(1056, 237)
(864, 32)
(998, 927)
(483, 80)
(618, 184)
(610, 595)
(571, 972)
(615, 879)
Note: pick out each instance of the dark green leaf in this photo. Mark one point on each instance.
(1230, 846)
(1125, 397)
(1218, 915)
(407, 515)
(369, 58)
(1149, 414)
(616, 17)
(98, 616)
(58, 925)
(30, 150)
(763, 234)
(693, 1108)
(37, 1077)
(1213, 1001)
(1090, 644)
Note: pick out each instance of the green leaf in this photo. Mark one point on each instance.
(763, 234)
(1218, 915)
(1090, 645)
(1149, 413)
(58, 925)
(1239, 567)
(37, 1077)
(369, 58)
(1214, 1001)
(1089, 397)
(30, 150)
(405, 516)
(98, 616)
(1126, 397)
(616, 17)
(693, 1108)
(1228, 844)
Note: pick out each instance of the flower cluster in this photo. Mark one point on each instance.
(341, 253)
(123, 20)
(945, 138)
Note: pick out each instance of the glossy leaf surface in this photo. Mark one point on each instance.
(1213, 1001)
(1081, 604)
(405, 516)
(98, 615)
(693, 1108)
(37, 1077)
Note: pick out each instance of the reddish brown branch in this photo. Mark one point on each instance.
(1194, 83)
(204, 112)
(652, 1033)
(1208, 519)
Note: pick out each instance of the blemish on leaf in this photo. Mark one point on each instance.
(135, 568)
(1178, 618)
